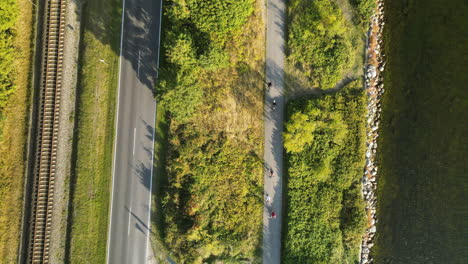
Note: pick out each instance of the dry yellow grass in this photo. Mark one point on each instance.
(236, 95)
(13, 139)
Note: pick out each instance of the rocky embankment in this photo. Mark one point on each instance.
(375, 88)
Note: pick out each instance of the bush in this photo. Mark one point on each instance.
(178, 87)
(219, 17)
(194, 43)
(365, 8)
(207, 202)
(325, 157)
(318, 42)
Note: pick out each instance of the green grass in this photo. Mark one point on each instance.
(97, 82)
(15, 91)
(325, 143)
(210, 172)
(422, 187)
(9, 14)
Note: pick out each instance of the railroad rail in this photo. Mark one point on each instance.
(47, 131)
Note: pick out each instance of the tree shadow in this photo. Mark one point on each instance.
(139, 44)
(140, 225)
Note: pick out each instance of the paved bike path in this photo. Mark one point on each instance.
(274, 115)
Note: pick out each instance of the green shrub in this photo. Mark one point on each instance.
(318, 41)
(195, 42)
(325, 157)
(364, 8)
(219, 17)
(178, 88)
(207, 202)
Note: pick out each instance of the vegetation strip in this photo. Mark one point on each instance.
(325, 136)
(15, 89)
(93, 142)
(211, 84)
(324, 139)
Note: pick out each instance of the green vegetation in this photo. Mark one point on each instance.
(219, 17)
(325, 136)
(16, 28)
(95, 129)
(364, 8)
(325, 43)
(159, 180)
(211, 87)
(8, 15)
(325, 142)
(195, 43)
(318, 42)
(422, 187)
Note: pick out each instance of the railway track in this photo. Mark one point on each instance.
(47, 131)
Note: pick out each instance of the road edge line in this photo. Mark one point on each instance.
(148, 242)
(109, 226)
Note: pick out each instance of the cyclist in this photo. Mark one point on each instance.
(273, 214)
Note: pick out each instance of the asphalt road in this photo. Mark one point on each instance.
(128, 240)
(274, 115)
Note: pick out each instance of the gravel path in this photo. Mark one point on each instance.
(65, 137)
(275, 42)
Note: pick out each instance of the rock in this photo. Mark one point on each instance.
(371, 71)
(370, 245)
(373, 229)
